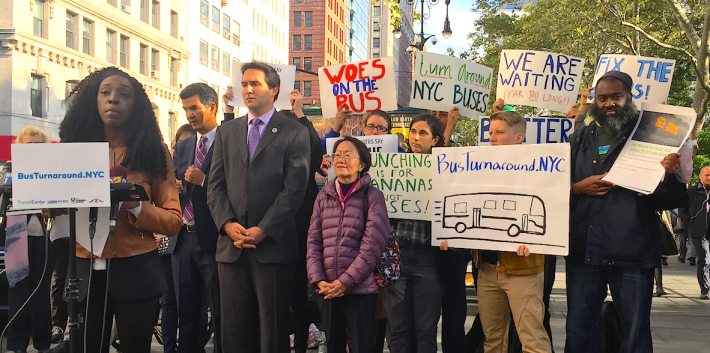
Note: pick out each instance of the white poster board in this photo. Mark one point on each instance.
(378, 143)
(500, 197)
(441, 82)
(362, 86)
(287, 73)
(66, 175)
(539, 79)
(405, 180)
(652, 76)
(538, 130)
(660, 130)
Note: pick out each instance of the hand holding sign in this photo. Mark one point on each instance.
(227, 97)
(297, 102)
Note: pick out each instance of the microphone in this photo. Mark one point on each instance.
(93, 214)
(5, 189)
(118, 176)
(50, 219)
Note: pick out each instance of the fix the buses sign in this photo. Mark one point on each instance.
(60, 175)
(362, 86)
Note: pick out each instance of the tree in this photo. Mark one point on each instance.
(590, 28)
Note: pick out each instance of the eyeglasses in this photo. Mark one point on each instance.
(347, 156)
(379, 128)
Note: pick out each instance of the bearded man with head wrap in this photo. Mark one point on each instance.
(614, 232)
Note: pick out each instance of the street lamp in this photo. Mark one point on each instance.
(421, 38)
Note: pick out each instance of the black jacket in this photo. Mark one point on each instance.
(694, 214)
(621, 227)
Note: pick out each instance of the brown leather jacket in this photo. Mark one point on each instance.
(135, 236)
(512, 264)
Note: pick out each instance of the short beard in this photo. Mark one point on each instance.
(617, 122)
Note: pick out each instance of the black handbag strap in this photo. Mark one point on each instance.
(365, 206)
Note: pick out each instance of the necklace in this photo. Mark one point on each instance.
(120, 159)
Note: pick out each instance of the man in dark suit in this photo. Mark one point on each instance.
(257, 183)
(193, 249)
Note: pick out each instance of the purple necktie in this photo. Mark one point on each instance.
(254, 136)
(200, 154)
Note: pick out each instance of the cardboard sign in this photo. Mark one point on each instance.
(67, 175)
(539, 79)
(362, 86)
(287, 73)
(442, 82)
(538, 130)
(405, 180)
(500, 197)
(652, 76)
(379, 143)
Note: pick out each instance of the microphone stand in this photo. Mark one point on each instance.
(72, 289)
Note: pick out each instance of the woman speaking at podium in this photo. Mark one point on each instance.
(111, 106)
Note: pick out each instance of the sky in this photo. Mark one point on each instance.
(461, 19)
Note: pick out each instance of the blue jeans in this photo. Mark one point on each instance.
(631, 290)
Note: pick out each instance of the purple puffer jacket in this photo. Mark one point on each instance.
(337, 247)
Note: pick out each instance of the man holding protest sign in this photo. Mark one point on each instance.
(511, 281)
(614, 234)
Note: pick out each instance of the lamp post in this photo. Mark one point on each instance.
(421, 38)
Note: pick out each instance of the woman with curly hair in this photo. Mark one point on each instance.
(126, 280)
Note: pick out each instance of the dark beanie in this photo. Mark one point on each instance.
(621, 76)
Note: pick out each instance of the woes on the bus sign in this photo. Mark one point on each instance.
(501, 197)
(539, 130)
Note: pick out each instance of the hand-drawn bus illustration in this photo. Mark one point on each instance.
(514, 213)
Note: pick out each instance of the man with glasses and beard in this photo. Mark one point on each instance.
(614, 232)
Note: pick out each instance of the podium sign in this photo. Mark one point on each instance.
(60, 175)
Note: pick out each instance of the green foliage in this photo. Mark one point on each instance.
(466, 132)
(395, 12)
(586, 29)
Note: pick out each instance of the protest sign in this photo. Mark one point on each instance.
(377, 143)
(660, 130)
(538, 130)
(539, 79)
(501, 197)
(362, 86)
(67, 175)
(287, 74)
(442, 82)
(405, 180)
(652, 76)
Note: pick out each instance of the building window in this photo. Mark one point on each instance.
(112, 2)
(156, 14)
(226, 31)
(145, 12)
(296, 42)
(173, 71)
(204, 12)
(377, 11)
(71, 29)
(124, 51)
(308, 1)
(296, 1)
(297, 18)
(204, 55)
(306, 88)
(215, 58)
(297, 62)
(215, 19)
(307, 64)
(309, 19)
(36, 96)
(307, 42)
(297, 85)
(376, 27)
(237, 31)
(143, 60)
(111, 46)
(375, 42)
(87, 37)
(155, 64)
(225, 63)
(173, 24)
(39, 18)
(375, 55)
